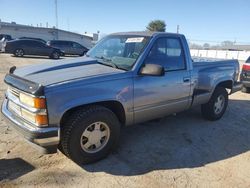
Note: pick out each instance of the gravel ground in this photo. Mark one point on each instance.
(176, 151)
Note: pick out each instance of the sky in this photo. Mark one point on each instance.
(200, 20)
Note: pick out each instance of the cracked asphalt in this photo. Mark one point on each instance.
(175, 151)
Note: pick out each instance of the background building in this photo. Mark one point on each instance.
(45, 33)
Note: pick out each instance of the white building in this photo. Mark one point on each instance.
(18, 30)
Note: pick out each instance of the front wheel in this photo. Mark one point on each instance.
(19, 53)
(216, 106)
(89, 134)
(55, 55)
(83, 53)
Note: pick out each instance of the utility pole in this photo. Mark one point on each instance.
(56, 14)
(68, 24)
(178, 28)
(56, 30)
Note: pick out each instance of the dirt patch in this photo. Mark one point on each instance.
(176, 151)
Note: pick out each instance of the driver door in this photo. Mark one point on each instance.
(158, 96)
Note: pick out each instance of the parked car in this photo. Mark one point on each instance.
(245, 76)
(3, 39)
(68, 47)
(23, 47)
(41, 40)
(79, 105)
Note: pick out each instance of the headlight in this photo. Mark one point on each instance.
(39, 120)
(34, 102)
(31, 108)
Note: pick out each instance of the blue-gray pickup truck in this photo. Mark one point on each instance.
(79, 105)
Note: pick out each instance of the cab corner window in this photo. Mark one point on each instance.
(168, 53)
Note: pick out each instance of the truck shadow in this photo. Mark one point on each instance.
(11, 169)
(182, 141)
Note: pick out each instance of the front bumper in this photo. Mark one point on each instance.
(46, 139)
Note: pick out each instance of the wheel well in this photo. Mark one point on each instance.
(226, 84)
(114, 106)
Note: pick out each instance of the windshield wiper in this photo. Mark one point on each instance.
(103, 58)
(109, 64)
(107, 61)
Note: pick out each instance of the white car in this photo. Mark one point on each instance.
(3, 39)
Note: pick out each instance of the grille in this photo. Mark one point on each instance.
(14, 92)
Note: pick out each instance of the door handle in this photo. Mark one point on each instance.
(186, 79)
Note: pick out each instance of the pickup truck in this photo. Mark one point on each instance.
(79, 105)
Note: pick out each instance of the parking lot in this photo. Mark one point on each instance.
(177, 151)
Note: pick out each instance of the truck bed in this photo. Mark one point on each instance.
(206, 72)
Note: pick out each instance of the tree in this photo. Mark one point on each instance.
(206, 45)
(157, 25)
(227, 43)
(195, 46)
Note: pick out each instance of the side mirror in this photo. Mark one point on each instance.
(152, 70)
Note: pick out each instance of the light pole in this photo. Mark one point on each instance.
(178, 28)
(56, 30)
(56, 14)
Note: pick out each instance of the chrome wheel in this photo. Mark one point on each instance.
(95, 137)
(19, 52)
(219, 104)
(55, 55)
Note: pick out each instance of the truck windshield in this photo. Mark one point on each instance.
(119, 51)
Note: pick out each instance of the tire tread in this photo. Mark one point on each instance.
(72, 122)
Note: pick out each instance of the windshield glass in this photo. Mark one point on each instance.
(119, 51)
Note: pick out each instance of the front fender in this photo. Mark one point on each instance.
(62, 99)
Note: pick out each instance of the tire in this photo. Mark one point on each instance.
(245, 89)
(216, 106)
(19, 53)
(81, 149)
(55, 55)
(83, 54)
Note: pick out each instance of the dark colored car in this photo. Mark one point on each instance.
(68, 47)
(41, 40)
(245, 76)
(23, 47)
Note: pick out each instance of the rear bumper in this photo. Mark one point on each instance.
(246, 83)
(46, 139)
(245, 78)
(236, 87)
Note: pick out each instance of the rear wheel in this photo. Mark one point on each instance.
(245, 89)
(83, 53)
(55, 55)
(90, 134)
(19, 53)
(216, 106)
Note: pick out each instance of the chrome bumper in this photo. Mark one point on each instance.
(236, 87)
(44, 137)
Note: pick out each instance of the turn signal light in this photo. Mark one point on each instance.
(41, 120)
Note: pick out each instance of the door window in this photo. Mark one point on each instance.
(75, 45)
(39, 44)
(167, 52)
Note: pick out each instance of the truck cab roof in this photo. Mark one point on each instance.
(145, 33)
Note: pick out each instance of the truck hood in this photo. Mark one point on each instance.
(65, 70)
